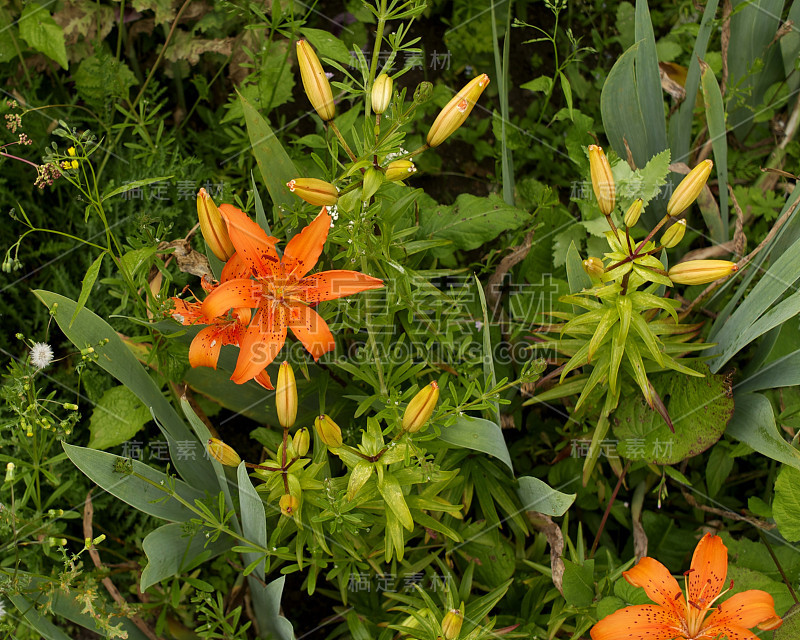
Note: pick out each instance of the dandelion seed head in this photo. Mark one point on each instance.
(41, 355)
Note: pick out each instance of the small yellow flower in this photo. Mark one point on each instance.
(381, 93)
(222, 453)
(399, 170)
(328, 431)
(71, 151)
(602, 180)
(314, 191)
(701, 271)
(213, 227)
(315, 82)
(421, 407)
(456, 111)
(689, 188)
(286, 396)
(74, 164)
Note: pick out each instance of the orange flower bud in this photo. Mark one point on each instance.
(632, 214)
(602, 180)
(213, 228)
(222, 453)
(315, 82)
(381, 93)
(289, 504)
(314, 191)
(421, 407)
(399, 170)
(301, 441)
(701, 271)
(328, 431)
(456, 111)
(689, 188)
(674, 234)
(594, 267)
(286, 396)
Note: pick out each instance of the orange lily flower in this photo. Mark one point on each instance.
(279, 290)
(675, 616)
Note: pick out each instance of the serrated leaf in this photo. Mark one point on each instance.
(40, 31)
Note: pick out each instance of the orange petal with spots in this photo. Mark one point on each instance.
(708, 571)
(232, 294)
(261, 342)
(658, 583)
(305, 248)
(640, 622)
(727, 632)
(187, 313)
(264, 380)
(746, 609)
(235, 267)
(252, 243)
(310, 329)
(330, 285)
(205, 348)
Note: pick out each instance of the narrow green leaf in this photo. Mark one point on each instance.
(86, 286)
(717, 131)
(254, 523)
(128, 186)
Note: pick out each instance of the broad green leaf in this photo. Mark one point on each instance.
(717, 131)
(470, 222)
(273, 162)
(478, 434)
(786, 505)
(576, 275)
(358, 477)
(578, 583)
(783, 372)
(537, 495)
(254, 522)
(790, 629)
(136, 184)
(42, 625)
(700, 409)
(117, 417)
(648, 84)
(327, 45)
(392, 493)
(267, 605)
(170, 551)
(86, 285)
(118, 360)
(40, 31)
(100, 467)
(754, 424)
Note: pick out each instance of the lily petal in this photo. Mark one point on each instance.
(745, 609)
(309, 327)
(264, 380)
(205, 348)
(330, 285)
(659, 584)
(708, 571)
(251, 242)
(235, 267)
(187, 313)
(729, 632)
(305, 248)
(640, 622)
(260, 344)
(241, 292)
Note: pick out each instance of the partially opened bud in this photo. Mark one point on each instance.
(689, 188)
(328, 431)
(456, 111)
(301, 441)
(315, 82)
(594, 267)
(632, 214)
(213, 228)
(674, 234)
(381, 93)
(701, 271)
(289, 504)
(451, 624)
(602, 180)
(222, 453)
(286, 396)
(421, 407)
(399, 170)
(314, 191)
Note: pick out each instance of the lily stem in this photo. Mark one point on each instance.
(339, 135)
(608, 509)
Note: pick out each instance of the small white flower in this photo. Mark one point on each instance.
(41, 355)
